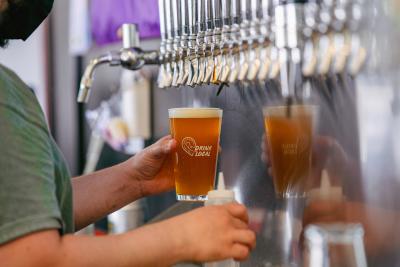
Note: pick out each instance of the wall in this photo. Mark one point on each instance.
(65, 106)
(28, 60)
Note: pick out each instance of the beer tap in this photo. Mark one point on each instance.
(168, 42)
(184, 63)
(234, 44)
(245, 39)
(274, 51)
(208, 39)
(225, 40)
(129, 57)
(162, 74)
(325, 44)
(200, 40)
(358, 53)
(289, 40)
(341, 40)
(254, 40)
(266, 39)
(310, 52)
(192, 54)
(216, 45)
(176, 22)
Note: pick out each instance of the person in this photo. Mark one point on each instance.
(41, 207)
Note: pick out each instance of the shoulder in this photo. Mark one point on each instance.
(11, 85)
(18, 100)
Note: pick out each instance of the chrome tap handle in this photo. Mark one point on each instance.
(255, 18)
(209, 15)
(201, 15)
(161, 9)
(217, 21)
(340, 15)
(192, 14)
(226, 13)
(245, 6)
(245, 19)
(176, 17)
(355, 14)
(217, 13)
(236, 12)
(255, 10)
(266, 21)
(169, 23)
(289, 22)
(289, 39)
(185, 19)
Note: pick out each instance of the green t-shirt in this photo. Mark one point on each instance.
(35, 186)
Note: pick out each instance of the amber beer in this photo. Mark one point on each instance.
(197, 132)
(289, 136)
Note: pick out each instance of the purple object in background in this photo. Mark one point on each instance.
(107, 16)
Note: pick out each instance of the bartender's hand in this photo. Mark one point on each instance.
(213, 233)
(153, 167)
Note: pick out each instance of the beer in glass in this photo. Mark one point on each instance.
(197, 131)
(289, 132)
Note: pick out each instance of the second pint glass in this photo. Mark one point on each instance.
(290, 135)
(197, 132)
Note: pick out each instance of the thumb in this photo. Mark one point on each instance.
(162, 147)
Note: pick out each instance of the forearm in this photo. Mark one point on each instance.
(153, 245)
(100, 193)
(147, 246)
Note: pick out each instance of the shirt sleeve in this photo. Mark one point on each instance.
(28, 201)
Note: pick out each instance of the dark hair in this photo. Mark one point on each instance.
(4, 16)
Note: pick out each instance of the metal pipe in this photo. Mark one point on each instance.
(130, 36)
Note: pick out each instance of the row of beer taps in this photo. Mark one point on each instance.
(228, 41)
(246, 41)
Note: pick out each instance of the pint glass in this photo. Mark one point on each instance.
(289, 134)
(197, 132)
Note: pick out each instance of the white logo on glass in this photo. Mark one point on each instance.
(189, 145)
(192, 149)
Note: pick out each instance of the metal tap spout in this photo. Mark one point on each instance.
(87, 78)
(130, 57)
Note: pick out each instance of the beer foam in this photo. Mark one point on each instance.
(195, 113)
(296, 110)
